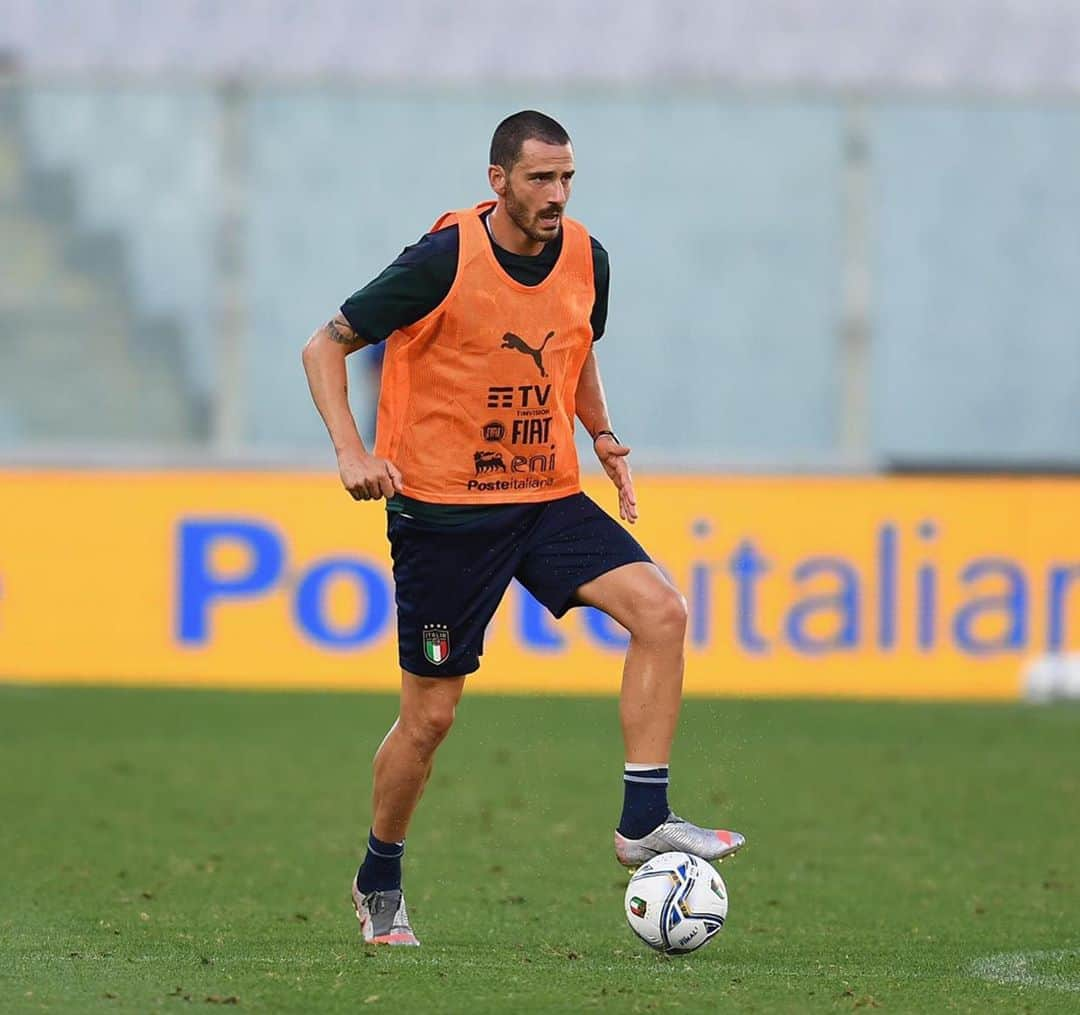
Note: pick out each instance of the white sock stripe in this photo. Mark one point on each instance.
(636, 766)
(655, 781)
(387, 856)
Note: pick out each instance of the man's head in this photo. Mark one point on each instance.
(532, 166)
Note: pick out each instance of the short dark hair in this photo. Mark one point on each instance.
(514, 131)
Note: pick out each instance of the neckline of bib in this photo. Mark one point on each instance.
(489, 252)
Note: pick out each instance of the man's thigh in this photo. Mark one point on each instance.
(635, 595)
(426, 698)
(448, 581)
(573, 544)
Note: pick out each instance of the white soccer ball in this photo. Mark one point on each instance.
(676, 902)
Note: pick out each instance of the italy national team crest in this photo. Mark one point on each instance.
(436, 643)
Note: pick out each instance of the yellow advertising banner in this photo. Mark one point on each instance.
(899, 588)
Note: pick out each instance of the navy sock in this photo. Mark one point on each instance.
(381, 869)
(644, 800)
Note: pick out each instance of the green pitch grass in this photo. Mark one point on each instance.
(165, 850)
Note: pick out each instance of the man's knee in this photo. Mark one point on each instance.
(426, 723)
(661, 615)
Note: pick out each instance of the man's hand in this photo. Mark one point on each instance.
(367, 477)
(612, 457)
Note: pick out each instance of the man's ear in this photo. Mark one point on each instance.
(497, 179)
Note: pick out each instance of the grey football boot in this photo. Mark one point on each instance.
(383, 917)
(678, 835)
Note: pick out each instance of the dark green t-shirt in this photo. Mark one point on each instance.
(418, 281)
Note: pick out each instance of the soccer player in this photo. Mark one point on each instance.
(489, 323)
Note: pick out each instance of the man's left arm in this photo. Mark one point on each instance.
(593, 413)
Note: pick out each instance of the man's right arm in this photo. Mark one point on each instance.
(362, 474)
(409, 289)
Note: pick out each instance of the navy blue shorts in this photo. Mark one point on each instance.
(449, 579)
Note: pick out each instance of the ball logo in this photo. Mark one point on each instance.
(436, 639)
(638, 906)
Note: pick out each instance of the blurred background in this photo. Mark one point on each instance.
(845, 244)
(844, 344)
(843, 235)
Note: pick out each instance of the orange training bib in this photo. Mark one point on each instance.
(478, 398)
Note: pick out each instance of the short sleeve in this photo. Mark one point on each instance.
(601, 282)
(407, 290)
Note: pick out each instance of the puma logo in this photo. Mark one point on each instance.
(512, 341)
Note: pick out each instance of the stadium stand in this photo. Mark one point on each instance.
(994, 45)
(77, 357)
(143, 162)
(977, 255)
(968, 245)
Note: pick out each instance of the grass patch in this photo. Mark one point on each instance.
(163, 848)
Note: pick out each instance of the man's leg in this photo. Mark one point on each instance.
(402, 766)
(639, 597)
(448, 581)
(642, 600)
(404, 758)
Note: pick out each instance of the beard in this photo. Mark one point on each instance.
(528, 223)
